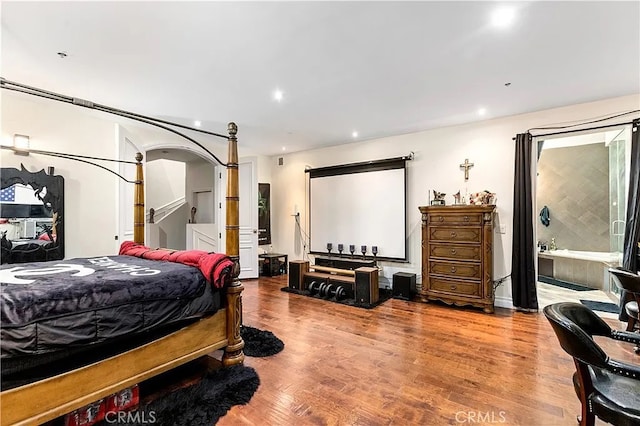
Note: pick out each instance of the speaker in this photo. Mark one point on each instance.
(297, 269)
(404, 285)
(366, 286)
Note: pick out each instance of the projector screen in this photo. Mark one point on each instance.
(361, 204)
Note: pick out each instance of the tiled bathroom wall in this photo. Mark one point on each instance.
(573, 182)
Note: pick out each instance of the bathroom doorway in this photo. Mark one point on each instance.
(581, 191)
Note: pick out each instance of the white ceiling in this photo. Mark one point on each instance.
(380, 68)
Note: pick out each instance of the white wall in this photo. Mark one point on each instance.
(174, 229)
(90, 193)
(264, 169)
(200, 177)
(164, 183)
(91, 221)
(438, 154)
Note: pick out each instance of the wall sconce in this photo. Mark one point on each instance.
(21, 144)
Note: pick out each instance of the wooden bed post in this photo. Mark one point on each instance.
(138, 203)
(233, 353)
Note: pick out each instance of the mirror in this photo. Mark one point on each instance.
(31, 215)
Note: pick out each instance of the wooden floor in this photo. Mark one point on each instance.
(405, 363)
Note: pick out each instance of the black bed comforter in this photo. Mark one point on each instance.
(48, 306)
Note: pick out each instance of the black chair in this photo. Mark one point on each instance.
(607, 388)
(629, 282)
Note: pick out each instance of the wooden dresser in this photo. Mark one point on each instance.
(457, 261)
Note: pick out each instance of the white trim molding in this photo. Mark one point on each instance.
(164, 211)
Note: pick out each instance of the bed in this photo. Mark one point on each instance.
(203, 329)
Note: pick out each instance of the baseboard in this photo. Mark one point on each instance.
(503, 302)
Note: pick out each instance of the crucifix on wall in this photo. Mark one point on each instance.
(466, 166)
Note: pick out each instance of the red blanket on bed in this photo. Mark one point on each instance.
(216, 267)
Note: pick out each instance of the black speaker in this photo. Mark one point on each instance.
(404, 285)
(366, 286)
(297, 269)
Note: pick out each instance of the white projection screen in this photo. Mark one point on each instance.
(361, 204)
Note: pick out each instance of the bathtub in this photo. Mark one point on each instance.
(585, 255)
(587, 268)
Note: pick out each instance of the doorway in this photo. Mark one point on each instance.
(581, 191)
(248, 219)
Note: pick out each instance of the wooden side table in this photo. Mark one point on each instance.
(271, 264)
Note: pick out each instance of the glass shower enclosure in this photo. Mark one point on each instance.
(619, 145)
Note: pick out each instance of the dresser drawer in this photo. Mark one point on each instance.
(454, 287)
(455, 269)
(455, 218)
(455, 252)
(452, 234)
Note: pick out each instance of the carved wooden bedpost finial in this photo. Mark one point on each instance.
(232, 128)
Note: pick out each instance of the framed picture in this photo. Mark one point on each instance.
(264, 213)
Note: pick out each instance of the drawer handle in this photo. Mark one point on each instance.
(453, 269)
(441, 219)
(453, 235)
(453, 287)
(453, 251)
(466, 218)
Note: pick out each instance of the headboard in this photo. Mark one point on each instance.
(49, 189)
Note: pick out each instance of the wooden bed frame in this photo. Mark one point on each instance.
(50, 398)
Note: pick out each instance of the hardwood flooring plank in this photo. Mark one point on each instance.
(406, 363)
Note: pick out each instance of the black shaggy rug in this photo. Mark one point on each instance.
(564, 284)
(202, 403)
(601, 306)
(260, 343)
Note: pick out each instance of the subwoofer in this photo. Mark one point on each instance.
(297, 269)
(366, 286)
(404, 285)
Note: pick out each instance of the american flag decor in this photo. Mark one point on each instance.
(8, 194)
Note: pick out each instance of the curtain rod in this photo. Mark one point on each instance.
(583, 129)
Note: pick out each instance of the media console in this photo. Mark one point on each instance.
(359, 283)
(346, 263)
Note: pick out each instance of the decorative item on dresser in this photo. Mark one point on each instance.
(457, 246)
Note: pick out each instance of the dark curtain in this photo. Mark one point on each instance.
(523, 274)
(632, 229)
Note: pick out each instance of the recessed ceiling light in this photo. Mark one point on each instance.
(503, 17)
(278, 95)
(284, 148)
(354, 134)
(197, 123)
(482, 111)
